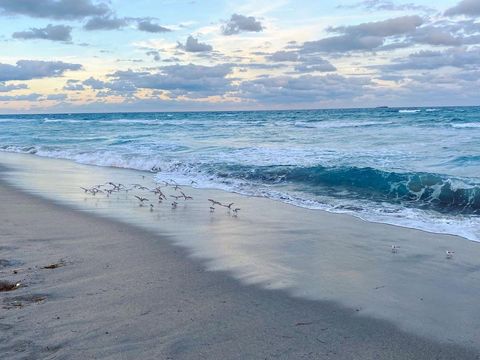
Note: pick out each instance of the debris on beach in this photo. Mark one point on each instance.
(8, 286)
(21, 301)
(54, 265)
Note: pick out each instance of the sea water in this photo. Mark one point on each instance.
(417, 167)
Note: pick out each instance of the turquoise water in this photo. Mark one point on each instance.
(412, 167)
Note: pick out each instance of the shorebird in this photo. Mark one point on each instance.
(85, 189)
(95, 191)
(151, 207)
(235, 211)
(115, 186)
(176, 197)
(156, 190)
(193, 182)
(215, 202)
(141, 199)
(229, 206)
(395, 248)
(212, 209)
(449, 254)
(176, 187)
(185, 196)
(174, 205)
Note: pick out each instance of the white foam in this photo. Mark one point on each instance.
(340, 124)
(466, 125)
(409, 111)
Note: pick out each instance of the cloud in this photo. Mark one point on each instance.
(11, 87)
(33, 69)
(314, 64)
(465, 7)
(239, 23)
(431, 60)
(155, 54)
(193, 45)
(281, 56)
(396, 26)
(51, 32)
(385, 5)
(190, 80)
(73, 85)
(54, 9)
(304, 63)
(29, 97)
(95, 84)
(56, 97)
(363, 37)
(303, 89)
(343, 43)
(148, 26)
(105, 23)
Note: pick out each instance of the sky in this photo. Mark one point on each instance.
(199, 55)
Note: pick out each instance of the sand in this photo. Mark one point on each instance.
(123, 292)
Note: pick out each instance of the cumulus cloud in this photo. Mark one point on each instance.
(303, 89)
(34, 69)
(11, 87)
(190, 80)
(51, 32)
(105, 23)
(363, 37)
(73, 85)
(304, 63)
(281, 56)
(396, 26)
(29, 97)
(56, 97)
(239, 23)
(314, 64)
(95, 84)
(344, 43)
(193, 45)
(385, 5)
(54, 9)
(148, 26)
(430, 60)
(465, 7)
(155, 54)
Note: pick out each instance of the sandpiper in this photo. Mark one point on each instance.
(141, 199)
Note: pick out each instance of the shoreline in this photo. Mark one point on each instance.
(302, 203)
(145, 298)
(347, 275)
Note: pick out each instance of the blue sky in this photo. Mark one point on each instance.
(154, 55)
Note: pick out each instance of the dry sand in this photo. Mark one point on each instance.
(125, 293)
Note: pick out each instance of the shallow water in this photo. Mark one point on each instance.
(412, 167)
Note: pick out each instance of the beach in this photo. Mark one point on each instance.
(126, 290)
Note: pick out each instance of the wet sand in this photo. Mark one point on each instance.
(125, 292)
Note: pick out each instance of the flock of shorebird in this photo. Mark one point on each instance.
(110, 187)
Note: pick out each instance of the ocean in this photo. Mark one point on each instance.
(417, 167)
